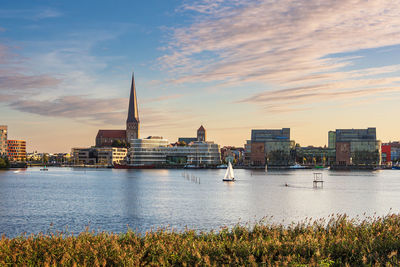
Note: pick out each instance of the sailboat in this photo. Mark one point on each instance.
(229, 176)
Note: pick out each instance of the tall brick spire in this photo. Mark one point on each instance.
(132, 122)
(133, 114)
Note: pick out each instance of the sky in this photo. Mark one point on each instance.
(232, 66)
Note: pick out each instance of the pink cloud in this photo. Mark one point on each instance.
(285, 44)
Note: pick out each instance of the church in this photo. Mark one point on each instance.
(105, 138)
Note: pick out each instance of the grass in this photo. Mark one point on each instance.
(337, 241)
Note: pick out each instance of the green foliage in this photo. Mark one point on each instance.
(181, 143)
(119, 143)
(45, 158)
(4, 163)
(337, 242)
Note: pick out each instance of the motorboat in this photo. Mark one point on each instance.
(297, 166)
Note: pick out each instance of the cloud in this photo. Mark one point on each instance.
(109, 111)
(100, 111)
(300, 46)
(162, 98)
(30, 14)
(17, 81)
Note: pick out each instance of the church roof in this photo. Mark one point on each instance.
(112, 134)
(133, 113)
(201, 128)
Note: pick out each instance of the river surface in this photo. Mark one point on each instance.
(61, 199)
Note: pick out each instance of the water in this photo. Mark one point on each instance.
(34, 201)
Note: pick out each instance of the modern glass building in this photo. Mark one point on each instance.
(148, 151)
(270, 146)
(155, 151)
(357, 147)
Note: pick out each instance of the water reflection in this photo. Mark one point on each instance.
(110, 200)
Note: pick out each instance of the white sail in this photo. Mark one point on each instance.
(229, 172)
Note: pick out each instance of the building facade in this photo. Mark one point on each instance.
(390, 153)
(357, 147)
(3, 140)
(232, 154)
(156, 151)
(102, 156)
(270, 146)
(148, 151)
(16, 150)
(106, 138)
(108, 156)
(315, 156)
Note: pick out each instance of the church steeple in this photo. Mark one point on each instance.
(132, 122)
(133, 114)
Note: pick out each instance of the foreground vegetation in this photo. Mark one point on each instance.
(336, 242)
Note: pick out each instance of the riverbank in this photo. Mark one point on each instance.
(336, 242)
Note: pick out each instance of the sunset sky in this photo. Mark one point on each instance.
(232, 66)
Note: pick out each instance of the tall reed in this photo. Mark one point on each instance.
(336, 241)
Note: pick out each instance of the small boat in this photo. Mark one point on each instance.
(396, 168)
(222, 166)
(297, 166)
(44, 169)
(229, 176)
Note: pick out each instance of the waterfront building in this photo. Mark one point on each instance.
(247, 153)
(148, 151)
(390, 153)
(271, 146)
(106, 138)
(3, 140)
(84, 156)
(357, 147)
(102, 156)
(204, 154)
(315, 156)
(156, 151)
(232, 154)
(59, 158)
(108, 156)
(16, 150)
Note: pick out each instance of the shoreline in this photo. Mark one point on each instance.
(260, 168)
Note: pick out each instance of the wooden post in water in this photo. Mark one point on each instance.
(318, 180)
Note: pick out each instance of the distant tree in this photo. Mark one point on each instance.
(119, 143)
(4, 163)
(45, 158)
(182, 143)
